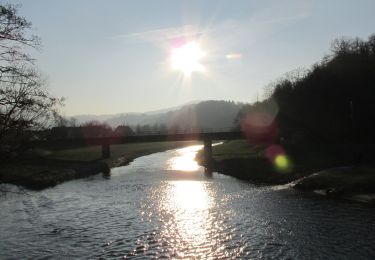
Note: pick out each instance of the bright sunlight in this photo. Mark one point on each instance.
(185, 161)
(186, 58)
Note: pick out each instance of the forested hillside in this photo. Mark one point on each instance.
(334, 101)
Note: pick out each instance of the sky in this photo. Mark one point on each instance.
(115, 56)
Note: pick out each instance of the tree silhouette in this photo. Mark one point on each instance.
(25, 103)
(333, 101)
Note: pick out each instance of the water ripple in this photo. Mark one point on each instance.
(146, 210)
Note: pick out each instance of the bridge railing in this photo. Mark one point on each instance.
(149, 133)
(206, 135)
(189, 131)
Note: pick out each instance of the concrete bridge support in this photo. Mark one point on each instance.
(207, 152)
(106, 151)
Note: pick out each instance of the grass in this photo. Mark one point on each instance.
(120, 153)
(304, 157)
(34, 176)
(239, 159)
(359, 179)
(43, 169)
(235, 149)
(38, 173)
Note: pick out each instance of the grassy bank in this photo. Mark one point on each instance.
(37, 173)
(121, 154)
(340, 181)
(237, 158)
(308, 166)
(46, 168)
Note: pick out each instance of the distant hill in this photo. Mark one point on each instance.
(86, 118)
(204, 114)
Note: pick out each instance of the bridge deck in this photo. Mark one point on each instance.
(147, 138)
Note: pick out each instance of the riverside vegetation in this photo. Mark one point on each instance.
(40, 169)
(314, 168)
(322, 123)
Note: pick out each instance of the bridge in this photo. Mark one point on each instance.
(205, 135)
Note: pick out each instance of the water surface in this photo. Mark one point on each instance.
(165, 206)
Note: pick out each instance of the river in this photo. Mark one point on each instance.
(164, 206)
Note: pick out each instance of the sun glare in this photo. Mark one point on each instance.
(185, 160)
(189, 201)
(186, 58)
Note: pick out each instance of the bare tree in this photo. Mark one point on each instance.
(14, 37)
(25, 103)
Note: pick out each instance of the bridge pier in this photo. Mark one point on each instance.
(207, 153)
(106, 151)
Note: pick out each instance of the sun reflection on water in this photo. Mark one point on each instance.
(188, 196)
(189, 203)
(189, 228)
(185, 160)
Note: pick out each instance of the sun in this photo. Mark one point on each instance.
(186, 58)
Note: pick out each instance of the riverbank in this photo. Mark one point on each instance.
(38, 173)
(316, 168)
(238, 159)
(42, 169)
(356, 183)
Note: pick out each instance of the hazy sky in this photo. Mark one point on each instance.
(114, 56)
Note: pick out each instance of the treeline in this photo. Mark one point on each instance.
(92, 129)
(334, 101)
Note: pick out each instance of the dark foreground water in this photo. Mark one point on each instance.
(163, 206)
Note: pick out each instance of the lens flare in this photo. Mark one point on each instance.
(278, 157)
(259, 128)
(233, 56)
(282, 162)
